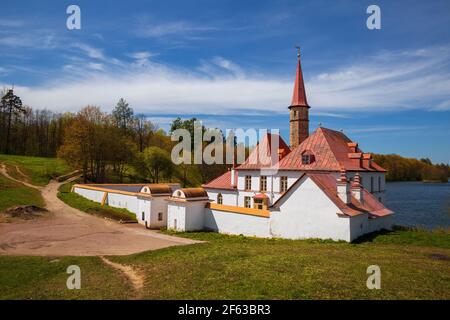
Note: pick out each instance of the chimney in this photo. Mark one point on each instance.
(357, 190)
(233, 177)
(353, 146)
(298, 110)
(343, 190)
(367, 160)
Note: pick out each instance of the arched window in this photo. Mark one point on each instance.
(219, 198)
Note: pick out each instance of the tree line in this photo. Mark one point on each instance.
(410, 169)
(122, 146)
(108, 147)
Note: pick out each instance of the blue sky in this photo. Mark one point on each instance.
(232, 64)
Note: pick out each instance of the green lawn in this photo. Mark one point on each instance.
(39, 170)
(233, 267)
(92, 207)
(45, 278)
(13, 193)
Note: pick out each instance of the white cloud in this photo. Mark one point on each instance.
(141, 58)
(156, 30)
(11, 23)
(387, 81)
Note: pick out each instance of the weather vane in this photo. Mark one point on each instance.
(298, 51)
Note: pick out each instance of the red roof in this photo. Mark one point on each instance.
(327, 182)
(260, 196)
(332, 151)
(262, 157)
(299, 96)
(221, 182)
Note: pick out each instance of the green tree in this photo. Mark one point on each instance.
(123, 114)
(11, 107)
(158, 163)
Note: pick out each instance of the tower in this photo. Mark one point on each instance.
(299, 109)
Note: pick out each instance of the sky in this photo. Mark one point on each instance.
(232, 64)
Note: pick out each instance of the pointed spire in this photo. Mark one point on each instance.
(299, 96)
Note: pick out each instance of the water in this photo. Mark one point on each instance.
(419, 204)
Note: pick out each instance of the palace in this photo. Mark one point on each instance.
(320, 186)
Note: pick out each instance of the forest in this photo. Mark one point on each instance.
(122, 146)
(410, 169)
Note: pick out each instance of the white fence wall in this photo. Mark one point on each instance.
(235, 223)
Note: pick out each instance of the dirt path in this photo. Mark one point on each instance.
(136, 279)
(5, 173)
(70, 232)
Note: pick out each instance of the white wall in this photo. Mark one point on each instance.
(308, 213)
(94, 195)
(273, 184)
(176, 216)
(190, 215)
(144, 206)
(195, 215)
(379, 191)
(158, 204)
(229, 197)
(235, 223)
(128, 202)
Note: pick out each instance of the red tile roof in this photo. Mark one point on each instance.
(221, 182)
(260, 196)
(262, 157)
(331, 151)
(327, 182)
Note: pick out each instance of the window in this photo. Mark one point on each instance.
(219, 199)
(260, 204)
(248, 182)
(263, 183)
(306, 159)
(160, 216)
(379, 183)
(283, 184)
(143, 215)
(247, 202)
(371, 184)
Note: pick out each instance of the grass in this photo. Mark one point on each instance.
(39, 170)
(13, 194)
(234, 267)
(92, 207)
(45, 278)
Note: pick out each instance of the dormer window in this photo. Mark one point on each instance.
(307, 157)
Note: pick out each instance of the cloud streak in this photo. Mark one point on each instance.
(386, 81)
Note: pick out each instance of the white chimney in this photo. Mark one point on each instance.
(357, 189)
(343, 188)
(233, 177)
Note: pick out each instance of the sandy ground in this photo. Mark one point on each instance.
(70, 232)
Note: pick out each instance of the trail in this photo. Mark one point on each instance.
(136, 279)
(5, 173)
(70, 232)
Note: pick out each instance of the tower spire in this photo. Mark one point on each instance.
(299, 95)
(299, 109)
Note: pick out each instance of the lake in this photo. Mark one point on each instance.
(419, 204)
